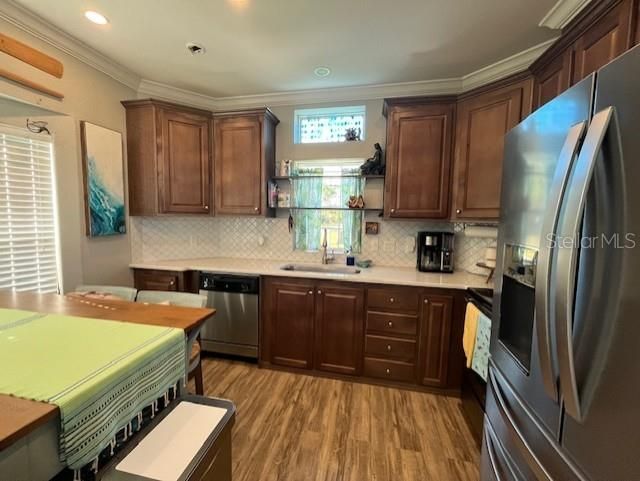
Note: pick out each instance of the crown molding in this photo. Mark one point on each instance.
(38, 27)
(505, 67)
(452, 86)
(31, 23)
(562, 13)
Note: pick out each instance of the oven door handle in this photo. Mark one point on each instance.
(549, 225)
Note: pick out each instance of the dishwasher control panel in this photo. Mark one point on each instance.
(229, 283)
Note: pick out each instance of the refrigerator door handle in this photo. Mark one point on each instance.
(601, 123)
(549, 224)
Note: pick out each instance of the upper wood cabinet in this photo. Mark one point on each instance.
(339, 328)
(419, 145)
(168, 156)
(244, 158)
(553, 79)
(604, 41)
(598, 34)
(482, 121)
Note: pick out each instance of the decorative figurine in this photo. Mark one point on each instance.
(356, 202)
(352, 134)
(285, 168)
(375, 165)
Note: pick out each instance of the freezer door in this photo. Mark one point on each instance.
(538, 153)
(533, 452)
(599, 350)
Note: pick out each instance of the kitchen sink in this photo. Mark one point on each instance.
(323, 269)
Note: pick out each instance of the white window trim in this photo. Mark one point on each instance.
(323, 111)
(25, 133)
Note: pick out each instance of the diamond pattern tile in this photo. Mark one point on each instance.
(155, 238)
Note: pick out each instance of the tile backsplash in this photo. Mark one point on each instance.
(154, 238)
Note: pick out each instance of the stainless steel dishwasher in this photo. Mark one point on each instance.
(234, 328)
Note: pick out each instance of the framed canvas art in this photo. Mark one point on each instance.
(103, 172)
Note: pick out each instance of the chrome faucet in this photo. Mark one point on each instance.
(323, 249)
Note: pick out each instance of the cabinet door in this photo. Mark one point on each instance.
(184, 168)
(339, 329)
(554, 79)
(291, 324)
(238, 165)
(604, 41)
(419, 161)
(435, 336)
(483, 121)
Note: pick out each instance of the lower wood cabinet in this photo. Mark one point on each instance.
(355, 329)
(159, 280)
(435, 338)
(289, 322)
(339, 328)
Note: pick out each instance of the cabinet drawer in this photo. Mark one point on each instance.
(391, 370)
(391, 323)
(149, 280)
(391, 348)
(400, 299)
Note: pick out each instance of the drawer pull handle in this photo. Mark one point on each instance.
(388, 371)
(388, 347)
(390, 323)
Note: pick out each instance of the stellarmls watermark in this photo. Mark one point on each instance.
(615, 241)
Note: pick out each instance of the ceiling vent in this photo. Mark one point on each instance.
(195, 48)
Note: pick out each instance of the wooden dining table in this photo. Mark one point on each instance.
(18, 416)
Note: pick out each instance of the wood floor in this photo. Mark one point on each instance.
(293, 427)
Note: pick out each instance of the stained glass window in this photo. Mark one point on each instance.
(328, 124)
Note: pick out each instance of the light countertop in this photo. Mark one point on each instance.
(405, 276)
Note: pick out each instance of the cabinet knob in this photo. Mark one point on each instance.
(388, 371)
(310, 292)
(392, 300)
(390, 323)
(206, 207)
(172, 283)
(256, 209)
(393, 211)
(388, 347)
(319, 291)
(426, 301)
(458, 211)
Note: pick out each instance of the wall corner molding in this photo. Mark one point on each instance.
(562, 13)
(34, 25)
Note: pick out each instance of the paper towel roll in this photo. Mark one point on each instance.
(481, 231)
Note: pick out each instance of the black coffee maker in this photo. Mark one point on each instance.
(435, 251)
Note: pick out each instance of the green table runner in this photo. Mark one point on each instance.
(100, 374)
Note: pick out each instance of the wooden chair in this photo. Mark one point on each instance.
(184, 299)
(124, 293)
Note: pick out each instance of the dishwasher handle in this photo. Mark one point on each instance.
(229, 283)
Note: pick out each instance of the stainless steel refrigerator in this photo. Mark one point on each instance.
(563, 396)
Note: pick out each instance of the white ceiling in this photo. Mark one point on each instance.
(266, 46)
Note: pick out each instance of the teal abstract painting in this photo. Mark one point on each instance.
(103, 180)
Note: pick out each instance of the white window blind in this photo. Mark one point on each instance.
(28, 248)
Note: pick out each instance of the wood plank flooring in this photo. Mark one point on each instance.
(292, 427)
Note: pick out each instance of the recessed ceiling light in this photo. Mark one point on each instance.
(96, 17)
(322, 72)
